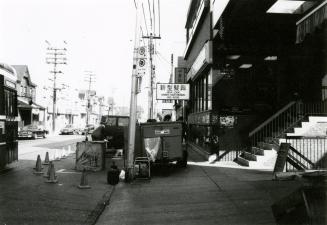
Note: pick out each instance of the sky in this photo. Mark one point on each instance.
(99, 36)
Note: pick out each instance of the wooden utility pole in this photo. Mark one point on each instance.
(89, 77)
(56, 57)
(152, 75)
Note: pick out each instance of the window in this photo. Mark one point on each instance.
(205, 92)
(10, 102)
(123, 121)
(209, 91)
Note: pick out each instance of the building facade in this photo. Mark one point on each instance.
(245, 63)
(29, 112)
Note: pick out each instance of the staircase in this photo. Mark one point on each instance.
(265, 139)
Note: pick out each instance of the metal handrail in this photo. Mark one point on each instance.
(266, 122)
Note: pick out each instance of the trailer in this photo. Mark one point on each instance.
(162, 142)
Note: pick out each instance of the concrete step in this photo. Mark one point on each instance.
(258, 151)
(240, 160)
(249, 156)
(265, 145)
(316, 119)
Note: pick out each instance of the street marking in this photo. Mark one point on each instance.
(63, 171)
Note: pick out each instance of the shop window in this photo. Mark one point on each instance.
(205, 93)
(209, 91)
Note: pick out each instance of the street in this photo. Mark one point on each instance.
(29, 149)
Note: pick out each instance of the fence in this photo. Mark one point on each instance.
(307, 152)
(286, 118)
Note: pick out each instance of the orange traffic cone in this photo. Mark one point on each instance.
(84, 183)
(46, 160)
(52, 175)
(38, 166)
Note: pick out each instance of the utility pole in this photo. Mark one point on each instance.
(133, 105)
(89, 77)
(151, 37)
(56, 57)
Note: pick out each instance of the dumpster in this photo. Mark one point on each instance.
(162, 142)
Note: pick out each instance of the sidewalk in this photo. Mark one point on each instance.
(202, 193)
(25, 199)
(206, 194)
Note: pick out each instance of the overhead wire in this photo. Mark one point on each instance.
(159, 16)
(146, 26)
(150, 15)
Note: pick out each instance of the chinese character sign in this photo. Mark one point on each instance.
(173, 91)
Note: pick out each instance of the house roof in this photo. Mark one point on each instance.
(22, 71)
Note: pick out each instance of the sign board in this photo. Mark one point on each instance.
(227, 121)
(281, 157)
(141, 61)
(180, 75)
(173, 91)
(90, 155)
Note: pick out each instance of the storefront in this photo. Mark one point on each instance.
(253, 64)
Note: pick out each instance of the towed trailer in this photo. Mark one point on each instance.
(161, 143)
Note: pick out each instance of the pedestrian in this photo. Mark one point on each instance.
(167, 117)
(99, 133)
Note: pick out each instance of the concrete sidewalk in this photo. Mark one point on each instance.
(198, 194)
(26, 199)
(202, 193)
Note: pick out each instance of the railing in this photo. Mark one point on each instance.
(286, 118)
(306, 153)
(276, 124)
(229, 153)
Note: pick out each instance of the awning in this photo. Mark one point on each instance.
(37, 106)
(23, 105)
(307, 24)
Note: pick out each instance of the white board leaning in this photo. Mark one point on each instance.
(166, 91)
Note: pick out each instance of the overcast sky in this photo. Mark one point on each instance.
(99, 36)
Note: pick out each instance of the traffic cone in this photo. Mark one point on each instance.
(46, 160)
(84, 183)
(38, 166)
(52, 175)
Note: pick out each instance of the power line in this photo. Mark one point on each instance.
(146, 26)
(154, 17)
(159, 15)
(150, 15)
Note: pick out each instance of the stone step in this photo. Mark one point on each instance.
(249, 156)
(265, 145)
(258, 151)
(240, 160)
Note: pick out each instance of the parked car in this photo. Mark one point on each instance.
(88, 129)
(32, 131)
(69, 129)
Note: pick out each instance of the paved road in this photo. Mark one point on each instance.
(29, 149)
